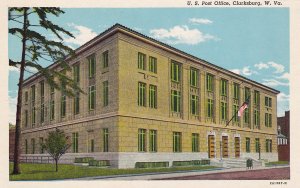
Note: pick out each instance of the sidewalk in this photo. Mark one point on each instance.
(153, 176)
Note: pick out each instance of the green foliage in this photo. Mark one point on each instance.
(46, 171)
(56, 144)
(83, 159)
(192, 163)
(39, 47)
(151, 164)
(99, 163)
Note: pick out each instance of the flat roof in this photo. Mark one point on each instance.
(120, 28)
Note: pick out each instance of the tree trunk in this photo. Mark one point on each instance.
(16, 169)
(56, 166)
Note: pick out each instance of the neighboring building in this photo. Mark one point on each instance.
(11, 141)
(284, 137)
(147, 101)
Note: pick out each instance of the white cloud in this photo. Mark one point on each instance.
(17, 69)
(284, 76)
(274, 83)
(81, 33)
(261, 66)
(181, 35)
(236, 71)
(12, 102)
(246, 71)
(283, 103)
(200, 21)
(278, 67)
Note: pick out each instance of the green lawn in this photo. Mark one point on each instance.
(47, 171)
(277, 163)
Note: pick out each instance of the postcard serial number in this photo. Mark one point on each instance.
(235, 3)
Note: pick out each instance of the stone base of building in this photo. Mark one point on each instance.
(129, 159)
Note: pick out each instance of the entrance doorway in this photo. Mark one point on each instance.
(237, 147)
(211, 146)
(225, 146)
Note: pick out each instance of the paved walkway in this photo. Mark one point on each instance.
(174, 175)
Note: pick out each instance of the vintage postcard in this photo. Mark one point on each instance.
(150, 93)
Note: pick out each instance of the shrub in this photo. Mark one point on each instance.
(83, 159)
(99, 163)
(151, 164)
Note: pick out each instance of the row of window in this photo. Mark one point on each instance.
(152, 63)
(142, 142)
(177, 142)
(142, 95)
(63, 102)
(194, 75)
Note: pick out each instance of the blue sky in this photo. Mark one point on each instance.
(253, 42)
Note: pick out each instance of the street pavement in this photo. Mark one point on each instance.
(278, 172)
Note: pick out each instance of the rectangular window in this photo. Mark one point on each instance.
(141, 94)
(153, 141)
(210, 111)
(247, 93)
(105, 140)
(224, 87)
(256, 97)
(176, 141)
(246, 116)
(235, 113)
(52, 107)
(193, 77)
(152, 64)
(268, 120)
(92, 145)
(42, 90)
(26, 96)
(63, 105)
(223, 110)
(76, 73)
(236, 91)
(195, 142)
(105, 59)
(142, 140)
(194, 105)
(26, 146)
(209, 82)
(77, 103)
(75, 142)
(33, 95)
(175, 101)
(92, 66)
(175, 71)
(256, 118)
(92, 97)
(248, 145)
(105, 93)
(42, 118)
(32, 146)
(152, 96)
(41, 141)
(268, 102)
(257, 145)
(268, 145)
(33, 117)
(26, 118)
(142, 61)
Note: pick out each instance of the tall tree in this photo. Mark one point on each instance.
(56, 145)
(26, 25)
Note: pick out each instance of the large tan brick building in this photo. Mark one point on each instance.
(147, 101)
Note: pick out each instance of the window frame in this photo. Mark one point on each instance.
(142, 94)
(175, 101)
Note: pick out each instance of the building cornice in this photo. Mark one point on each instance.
(125, 30)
